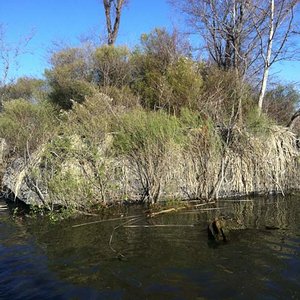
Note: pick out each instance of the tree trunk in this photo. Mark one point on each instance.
(267, 59)
(112, 29)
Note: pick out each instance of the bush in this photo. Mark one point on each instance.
(70, 77)
(258, 123)
(148, 139)
(180, 85)
(25, 126)
(65, 92)
(112, 66)
(185, 82)
(139, 130)
(165, 76)
(91, 120)
(27, 88)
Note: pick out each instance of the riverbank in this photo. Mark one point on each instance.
(100, 154)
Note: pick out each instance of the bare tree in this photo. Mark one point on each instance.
(9, 55)
(273, 37)
(248, 36)
(225, 29)
(113, 10)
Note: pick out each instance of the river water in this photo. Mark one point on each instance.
(261, 260)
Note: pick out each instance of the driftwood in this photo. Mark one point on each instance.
(154, 214)
(203, 204)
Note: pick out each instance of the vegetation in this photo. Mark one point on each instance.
(111, 124)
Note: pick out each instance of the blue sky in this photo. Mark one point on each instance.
(67, 20)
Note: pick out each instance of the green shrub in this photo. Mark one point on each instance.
(140, 130)
(122, 96)
(65, 92)
(91, 120)
(70, 77)
(185, 82)
(165, 76)
(27, 88)
(25, 126)
(258, 123)
(112, 66)
(180, 85)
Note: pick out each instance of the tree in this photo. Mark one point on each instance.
(113, 10)
(225, 29)
(9, 55)
(273, 36)
(247, 36)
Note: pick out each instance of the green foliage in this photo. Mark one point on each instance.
(190, 119)
(112, 66)
(123, 96)
(25, 126)
(140, 130)
(185, 82)
(165, 75)
(65, 92)
(177, 85)
(70, 77)
(258, 123)
(70, 189)
(91, 119)
(165, 48)
(27, 88)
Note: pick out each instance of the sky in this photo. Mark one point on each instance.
(66, 21)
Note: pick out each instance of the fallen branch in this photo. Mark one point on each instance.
(237, 200)
(203, 204)
(158, 225)
(151, 215)
(102, 221)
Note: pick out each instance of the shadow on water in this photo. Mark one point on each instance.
(261, 260)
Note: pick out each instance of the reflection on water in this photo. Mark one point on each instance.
(39, 260)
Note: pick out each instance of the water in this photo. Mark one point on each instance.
(40, 260)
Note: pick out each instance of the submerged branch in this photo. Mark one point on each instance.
(158, 225)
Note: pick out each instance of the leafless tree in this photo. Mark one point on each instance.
(113, 10)
(225, 29)
(9, 55)
(273, 36)
(248, 36)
